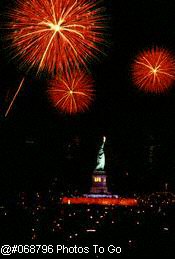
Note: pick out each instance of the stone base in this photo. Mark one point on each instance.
(99, 184)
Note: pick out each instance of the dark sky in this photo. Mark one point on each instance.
(131, 120)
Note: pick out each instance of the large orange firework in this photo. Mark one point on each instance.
(154, 70)
(72, 93)
(56, 34)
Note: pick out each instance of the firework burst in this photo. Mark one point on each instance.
(154, 70)
(55, 35)
(72, 93)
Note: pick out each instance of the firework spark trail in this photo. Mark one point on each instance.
(14, 98)
(72, 93)
(56, 35)
(154, 70)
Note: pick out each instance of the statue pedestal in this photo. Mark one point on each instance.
(99, 184)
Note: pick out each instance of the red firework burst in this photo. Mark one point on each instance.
(56, 34)
(72, 93)
(154, 70)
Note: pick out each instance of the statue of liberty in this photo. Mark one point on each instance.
(101, 157)
(99, 183)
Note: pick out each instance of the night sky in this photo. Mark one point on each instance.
(38, 143)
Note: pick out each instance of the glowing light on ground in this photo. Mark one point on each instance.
(100, 201)
(71, 93)
(154, 70)
(56, 34)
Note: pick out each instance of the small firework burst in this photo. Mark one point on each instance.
(154, 70)
(72, 93)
